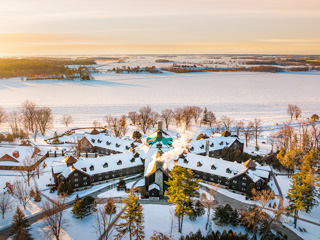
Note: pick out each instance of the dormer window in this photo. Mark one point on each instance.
(136, 155)
(92, 140)
(91, 168)
(84, 169)
(119, 162)
(192, 148)
(117, 145)
(213, 167)
(108, 143)
(199, 164)
(185, 161)
(127, 147)
(99, 141)
(61, 177)
(227, 143)
(132, 160)
(228, 170)
(105, 165)
(202, 146)
(221, 143)
(212, 145)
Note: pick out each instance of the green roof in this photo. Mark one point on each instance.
(156, 140)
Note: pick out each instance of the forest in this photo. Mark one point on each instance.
(19, 67)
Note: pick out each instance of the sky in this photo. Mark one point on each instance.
(78, 27)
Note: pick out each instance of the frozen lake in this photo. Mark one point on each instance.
(239, 95)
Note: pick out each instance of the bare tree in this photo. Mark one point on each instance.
(187, 115)
(226, 121)
(44, 119)
(208, 201)
(21, 191)
(248, 132)
(5, 203)
(167, 115)
(3, 115)
(133, 116)
(294, 110)
(196, 113)
(291, 110)
(28, 111)
(257, 128)
(239, 127)
(96, 124)
(145, 118)
(66, 120)
(29, 171)
(154, 118)
(297, 112)
(15, 122)
(54, 217)
(114, 125)
(123, 125)
(106, 219)
(178, 113)
(211, 118)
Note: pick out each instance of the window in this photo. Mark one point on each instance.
(211, 179)
(84, 178)
(85, 183)
(76, 174)
(76, 185)
(119, 162)
(91, 168)
(244, 178)
(244, 184)
(105, 165)
(113, 175)
(76, 179)
(213, 167)
(61, 177)
(243, 189)
(100, 178)
(234, 181)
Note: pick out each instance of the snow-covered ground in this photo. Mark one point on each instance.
(157, 218)
(239, 95)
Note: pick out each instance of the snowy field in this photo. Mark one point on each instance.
(239, 95)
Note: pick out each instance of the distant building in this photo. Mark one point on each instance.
(103, 143)
(212, 147)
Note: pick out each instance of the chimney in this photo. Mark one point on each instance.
(16, 154)
(159, 131)
(207, 148)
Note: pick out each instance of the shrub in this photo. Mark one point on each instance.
(65, 189)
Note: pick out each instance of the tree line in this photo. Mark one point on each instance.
(18, 67)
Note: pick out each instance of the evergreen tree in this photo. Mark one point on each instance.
(136, 135)
(133, 219)
(78, 209)
(121, 185)
(182, 188)
(83, 208)
(20, 227)
(197, 211)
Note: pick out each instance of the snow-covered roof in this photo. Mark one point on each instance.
(104, 140)
(253, 176)
(108, 163)
(215, 143)
(153, 186)
(211, 165)
(18, 153)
